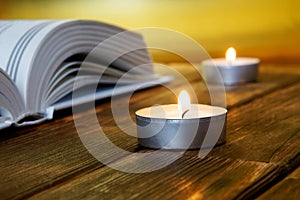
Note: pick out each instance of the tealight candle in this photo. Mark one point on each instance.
(181, 126)
(233, 70)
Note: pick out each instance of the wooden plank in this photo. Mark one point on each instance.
(252, 160)
(290, 149)
(39, 157)
(44, 156)
(288, 188)
(270, 78)
(265, 129)
(187, 178)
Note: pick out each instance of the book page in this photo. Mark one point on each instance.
(15, 40)
(42, 58)
(11, 103)
(78, 41)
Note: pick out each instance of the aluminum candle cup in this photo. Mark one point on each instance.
(162, 127)
(241, 70)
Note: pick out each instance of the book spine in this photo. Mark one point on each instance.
(34, 118)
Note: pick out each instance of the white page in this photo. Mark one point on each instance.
(32, 52)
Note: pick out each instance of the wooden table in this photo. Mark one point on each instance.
(259, 160)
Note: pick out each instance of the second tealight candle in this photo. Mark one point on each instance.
(233, 70)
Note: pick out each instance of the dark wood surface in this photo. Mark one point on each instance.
(259, 160)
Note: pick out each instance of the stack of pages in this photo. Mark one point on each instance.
(42, 63)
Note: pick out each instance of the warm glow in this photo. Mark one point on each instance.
(184, 102)
(230, 54)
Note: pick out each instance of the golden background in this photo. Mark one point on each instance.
(267, 29)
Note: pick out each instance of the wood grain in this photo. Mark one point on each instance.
(266, 129)
(252, 147)
(288, 188)
(187, 178)
(270, 78)
(49, 160)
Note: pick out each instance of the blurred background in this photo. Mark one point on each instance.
(268, 29)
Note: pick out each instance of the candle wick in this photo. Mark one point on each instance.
(229, 62)
(187, 110)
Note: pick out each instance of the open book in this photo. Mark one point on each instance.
(40, 61)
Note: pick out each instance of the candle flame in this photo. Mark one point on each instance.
(230, 54)
(184, 102)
